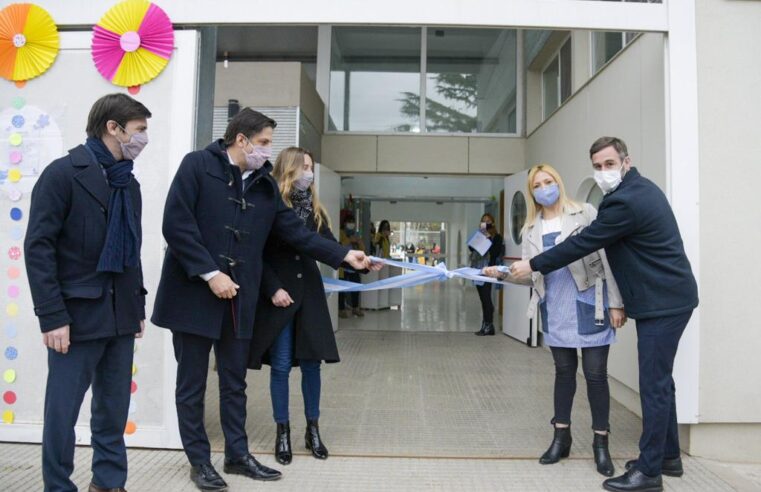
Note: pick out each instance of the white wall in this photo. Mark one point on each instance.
(424, 154)
(729, 94)
(417, 186)
(625, 100)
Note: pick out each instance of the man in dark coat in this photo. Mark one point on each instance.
(221, 208)
(82, 252)
(640, 235)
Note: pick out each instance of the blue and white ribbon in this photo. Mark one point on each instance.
(421, 274)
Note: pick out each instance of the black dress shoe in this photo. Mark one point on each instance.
(248, 466)
(559, 448)
(283, 453)
(671, 467)
(634, 481)
(97, 488)
(480, 332)
(206, 478)
(602, 455)
(314, 442)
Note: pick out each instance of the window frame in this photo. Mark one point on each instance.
(556, 55)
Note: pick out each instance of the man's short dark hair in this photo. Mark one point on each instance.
(249, 123)
(117, 107)
(605, 142)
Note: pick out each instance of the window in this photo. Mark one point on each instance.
(518, 213)
(605, 45)
(470, 80)
(467, 79)
(556, 80)
(374, 78)
(411, 238)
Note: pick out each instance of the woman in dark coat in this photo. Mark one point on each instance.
(293, 323)
(492, 257)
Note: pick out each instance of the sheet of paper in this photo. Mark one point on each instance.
(479, 242)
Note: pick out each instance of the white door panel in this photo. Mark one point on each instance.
(516, 297)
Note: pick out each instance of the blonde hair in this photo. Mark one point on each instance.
(288, 168)
(535, 208)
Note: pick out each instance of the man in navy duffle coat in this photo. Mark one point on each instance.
(82, 252)
(221, 207)
(637, 228)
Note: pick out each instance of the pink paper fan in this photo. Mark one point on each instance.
(132, 43)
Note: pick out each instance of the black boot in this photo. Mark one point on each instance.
(602, 455)
(560, 447)
(314, 442)
(489, 329)
(283, 453)
(480, 332)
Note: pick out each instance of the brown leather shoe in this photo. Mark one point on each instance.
(95, 488)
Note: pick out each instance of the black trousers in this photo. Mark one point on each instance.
(353, 297)
(106, 365)
(192, 354)
(595, 367)
(487, 307)
(657, 343)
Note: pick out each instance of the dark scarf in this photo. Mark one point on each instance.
(302, 203)
(121, 248)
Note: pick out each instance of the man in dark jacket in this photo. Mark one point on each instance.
(640, 235)
(82, 252)
(221, 207)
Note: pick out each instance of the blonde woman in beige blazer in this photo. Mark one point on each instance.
(580, 308)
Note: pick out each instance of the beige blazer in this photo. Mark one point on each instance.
(589, 271)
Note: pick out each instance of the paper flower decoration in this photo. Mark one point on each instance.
(28, 41)
(132, 43)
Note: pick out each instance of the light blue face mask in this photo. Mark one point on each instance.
(547, 196)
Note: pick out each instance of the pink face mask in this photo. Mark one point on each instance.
(135, 145)
(257, 157)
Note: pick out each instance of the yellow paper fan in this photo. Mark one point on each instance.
(28, 41)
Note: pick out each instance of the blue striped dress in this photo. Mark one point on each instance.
(568, 315)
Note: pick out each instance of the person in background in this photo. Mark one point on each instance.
(382, 240)
(580, 307)
(639, 232)
(294, 325)
(221, 208)
(349, 237)
(373, 247)
(492, 257)
(82, 251)
(410, 250)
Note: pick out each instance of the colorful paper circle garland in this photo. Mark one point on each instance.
(132, 43)
(28, 41)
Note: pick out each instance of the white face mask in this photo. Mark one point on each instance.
(608, 180)
(305, 181)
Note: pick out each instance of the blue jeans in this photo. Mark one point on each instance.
(281, 359)
(657, 343)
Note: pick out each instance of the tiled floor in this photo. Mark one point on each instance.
(417, 403)
(167, 471)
